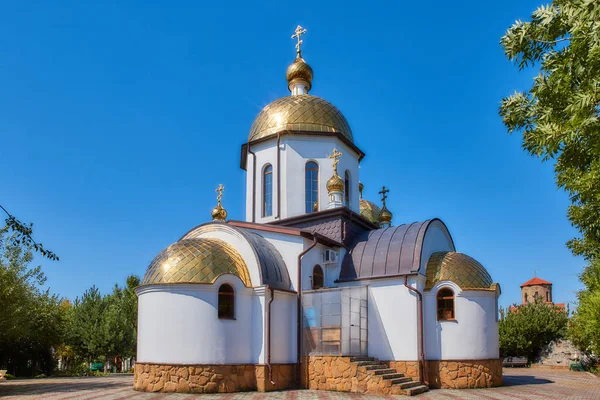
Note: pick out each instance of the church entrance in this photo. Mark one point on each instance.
(335, 321)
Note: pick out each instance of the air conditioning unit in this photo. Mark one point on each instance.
(330, 257)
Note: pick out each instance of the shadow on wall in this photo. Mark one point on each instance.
(378, 343)
(510, 380)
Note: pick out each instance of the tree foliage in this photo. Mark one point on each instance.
(31, 319)
(524, 330)
(559, 115)
(24, 235)
(584, 326)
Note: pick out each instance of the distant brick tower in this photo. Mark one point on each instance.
(536, 288)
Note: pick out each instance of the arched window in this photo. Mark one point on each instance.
(312, 187)
(445, 305)
(347, 189)
(226, 302)
(318, 279)
(535, 296)
(268, 191)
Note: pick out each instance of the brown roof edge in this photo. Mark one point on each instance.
(375, 277)
(287, 231)
(324, 214)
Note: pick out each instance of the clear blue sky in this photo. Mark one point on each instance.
(118, 120)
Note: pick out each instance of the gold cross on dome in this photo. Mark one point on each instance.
(220, 193)
(384, 191)
(299, 32)
(335, 156)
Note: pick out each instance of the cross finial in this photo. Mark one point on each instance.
(384, 191)
(299, 32)
(335, 156)
(534, 273)
(220, 193)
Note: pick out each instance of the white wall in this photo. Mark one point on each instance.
(296, 151)
(179, 324)
(392, 319)
(474, 334)
(437, 238)
(283, 328)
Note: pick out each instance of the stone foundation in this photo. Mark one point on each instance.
(463, 374)
(211, 378)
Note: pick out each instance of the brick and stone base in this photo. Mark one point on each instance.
(463, 374)
(230, 378)
(410, 369)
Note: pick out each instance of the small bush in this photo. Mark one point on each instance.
(9, 376)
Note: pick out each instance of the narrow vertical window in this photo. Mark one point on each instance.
(535, 296)
(226, 302)
(526, 298)
(268, 191)
(312, 187)
(347, 189)
(547, 297)
(445, 305)
(318, 278)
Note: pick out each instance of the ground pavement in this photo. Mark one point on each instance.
(520, 384)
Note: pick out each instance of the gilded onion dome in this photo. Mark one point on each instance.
(299, 72)
(302, 113)
(335, 183)
(369, 210)
(198, 260)
(219, 213)
(459, 268)
(385, 215)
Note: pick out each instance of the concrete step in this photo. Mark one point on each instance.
(393, 375)
(373, 367)
(367, 363)
(408, 385)
(401, 380)
(361, 358)
(383, 371)
(413, 391)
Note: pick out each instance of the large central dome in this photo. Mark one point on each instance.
(302, 113)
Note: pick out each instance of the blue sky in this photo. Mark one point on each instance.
(118, 120)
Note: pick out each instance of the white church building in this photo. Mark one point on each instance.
(316, 288)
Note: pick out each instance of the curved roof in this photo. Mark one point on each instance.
(200, 260)
(386, 252)
(370, 210)
(459, 268)
(303, 113)
(536, 281)
(272, 269)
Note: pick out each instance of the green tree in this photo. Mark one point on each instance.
(31, 319)
(524, 330)
(86, 334)
(559, 115)
(584, 326)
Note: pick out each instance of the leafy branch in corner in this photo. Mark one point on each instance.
(24, 235)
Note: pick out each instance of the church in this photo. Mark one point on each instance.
(318, 288)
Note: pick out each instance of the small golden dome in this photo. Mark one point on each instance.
(369, 211)
(335, 184)
(459, 268)
(219, 213)
(199, 260)
(302, 113)
(360, 188)
(299, 70)
(385, 216)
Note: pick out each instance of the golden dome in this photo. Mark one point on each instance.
(200, 260)
(298, 71)
(335, 184)
(301, 113)
(385, 215)
(219, 213)
(459, 268)
(369, 210)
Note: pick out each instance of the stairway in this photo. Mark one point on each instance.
(384, 380)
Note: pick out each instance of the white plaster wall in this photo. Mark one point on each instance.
(392, 319)
(283, 328)
(474, 334)
(179, 324)
(437, 238)
(296, 151)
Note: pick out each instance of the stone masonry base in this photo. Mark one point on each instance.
(230, 378)
(463, 374)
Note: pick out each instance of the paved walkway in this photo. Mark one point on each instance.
(520, 384)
